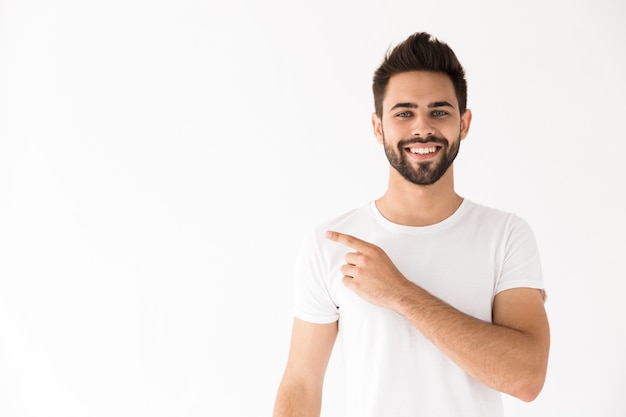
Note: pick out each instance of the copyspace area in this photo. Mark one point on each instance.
(160, 162)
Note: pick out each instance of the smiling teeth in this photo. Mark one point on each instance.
(423, 151)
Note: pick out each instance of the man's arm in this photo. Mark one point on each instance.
(510, 354)
(300, 391)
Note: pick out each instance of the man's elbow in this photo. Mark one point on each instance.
(532, 376)
(529, 390)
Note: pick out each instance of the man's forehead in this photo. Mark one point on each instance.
(421, 88)
(420, 82)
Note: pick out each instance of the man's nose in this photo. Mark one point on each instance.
(422, 127)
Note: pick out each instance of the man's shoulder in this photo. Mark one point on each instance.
(347, 219)
(489, 212)
(489, 217)
(315, 245)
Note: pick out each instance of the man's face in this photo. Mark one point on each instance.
(421, 127)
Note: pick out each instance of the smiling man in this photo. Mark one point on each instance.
(437, 300)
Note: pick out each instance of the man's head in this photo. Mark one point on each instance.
(421, 116)
(420, 52)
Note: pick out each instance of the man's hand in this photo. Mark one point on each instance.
(370, 273)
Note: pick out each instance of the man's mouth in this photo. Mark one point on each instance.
(423, 151)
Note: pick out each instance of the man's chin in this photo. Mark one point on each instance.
(425, 177)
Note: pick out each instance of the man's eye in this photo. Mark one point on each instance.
(405, 114)
(439, 113)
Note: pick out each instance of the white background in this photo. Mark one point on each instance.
(161, 160)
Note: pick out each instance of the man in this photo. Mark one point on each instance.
(437, 300)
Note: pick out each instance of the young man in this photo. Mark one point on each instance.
(437, 300)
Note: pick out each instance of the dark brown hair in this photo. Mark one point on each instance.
(420, 52)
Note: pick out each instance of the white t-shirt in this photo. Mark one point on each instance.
(392, 370)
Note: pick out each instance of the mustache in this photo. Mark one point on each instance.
(428, 139)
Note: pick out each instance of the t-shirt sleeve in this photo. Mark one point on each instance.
(312, 298)
(520, 265)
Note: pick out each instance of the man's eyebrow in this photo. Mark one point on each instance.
(409, 105)
(404, 105)
(439, 104)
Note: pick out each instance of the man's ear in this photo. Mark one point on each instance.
(377, 125)
(466, 120)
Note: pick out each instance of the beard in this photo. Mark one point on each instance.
(427, 172)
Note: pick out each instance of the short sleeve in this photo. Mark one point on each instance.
(312, 298)
(520, 265)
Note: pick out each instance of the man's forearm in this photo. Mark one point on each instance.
(501, 357)
(295, 400)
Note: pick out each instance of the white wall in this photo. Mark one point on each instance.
(160, 161)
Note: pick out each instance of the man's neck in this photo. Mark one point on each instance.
(419, 205)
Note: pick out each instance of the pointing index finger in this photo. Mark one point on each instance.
(348, 240)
